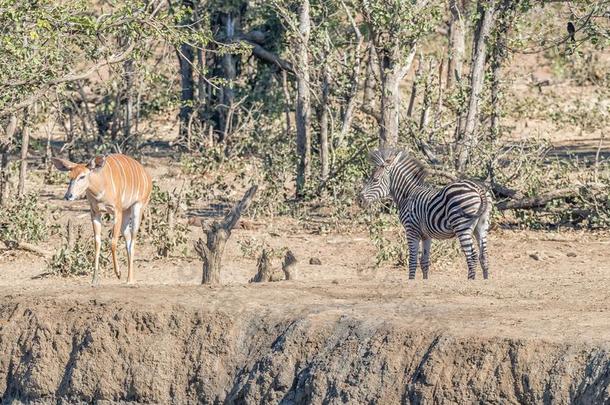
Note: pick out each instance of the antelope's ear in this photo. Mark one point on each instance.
(97, 162)
(62, 164)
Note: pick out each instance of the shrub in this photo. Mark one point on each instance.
(76, 255)
(23, 220)
(168, 235)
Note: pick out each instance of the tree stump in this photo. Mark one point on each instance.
(264, 272)
(289, 266)
(217, 235)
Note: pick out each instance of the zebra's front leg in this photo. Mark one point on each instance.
(424, 262)
(413, 243)
(465, 238)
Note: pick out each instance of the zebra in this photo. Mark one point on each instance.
(460, 209)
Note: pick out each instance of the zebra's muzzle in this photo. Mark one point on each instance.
(361, 201)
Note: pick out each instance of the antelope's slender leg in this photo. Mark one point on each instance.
(97, 235)
(126, 231)
(116, 229)
(425, 257)
(136, 219)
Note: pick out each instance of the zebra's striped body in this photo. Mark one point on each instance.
(460, 209)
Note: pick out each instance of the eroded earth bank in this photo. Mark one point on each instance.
(348, 342)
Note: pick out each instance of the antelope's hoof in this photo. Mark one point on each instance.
(95, 282)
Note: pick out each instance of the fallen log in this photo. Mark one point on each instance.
(539, 200)
(28, 247)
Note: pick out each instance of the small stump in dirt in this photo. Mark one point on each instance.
(289, 266)
(264, 272)
(217, 235)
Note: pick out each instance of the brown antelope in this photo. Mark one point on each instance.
(116, 184)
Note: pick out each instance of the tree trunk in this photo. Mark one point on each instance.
(287, 101)
(425, 112)
(418, 74)
(186, 58)
(5, 148)
(393, 70)
(456, 42)
(4, 176)
(23, 167)
(47, 159)
(324, 110)
(129, 76)
(466, 141)
(498, 55)
(217, 235)
(303, 107)
(201, 83)
(229, 72)
(368, 99)
(355, 81)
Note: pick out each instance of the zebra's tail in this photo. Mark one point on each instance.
(484, 204)
(485, 200)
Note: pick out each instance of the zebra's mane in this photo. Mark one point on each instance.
(385, 156)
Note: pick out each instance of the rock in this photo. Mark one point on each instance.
(571, 254)
(536, 256)
(315, 261)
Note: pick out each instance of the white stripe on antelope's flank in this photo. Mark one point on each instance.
(128, 181)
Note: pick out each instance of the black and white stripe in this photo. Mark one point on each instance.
(460, 209)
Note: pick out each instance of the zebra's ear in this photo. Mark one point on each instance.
(392, 157)
(376, 158)
(97, 162)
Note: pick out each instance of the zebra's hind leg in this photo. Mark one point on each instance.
(481, 234)
(413, 243)
(424, 261)
(465, 238)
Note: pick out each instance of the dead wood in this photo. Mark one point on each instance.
(217, 234)
(28, 247)
(539, 200)
(289, 266)
(264, 272)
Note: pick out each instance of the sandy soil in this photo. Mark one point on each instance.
(344, 332)
(551, 285)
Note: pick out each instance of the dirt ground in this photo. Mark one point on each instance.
(344, 332)
(551, 285)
